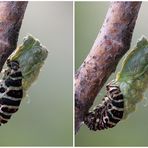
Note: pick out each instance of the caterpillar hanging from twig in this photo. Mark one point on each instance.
(127, 90)
(109, 112)
(11, 91)
(23, 68)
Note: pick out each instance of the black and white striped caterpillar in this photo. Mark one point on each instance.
(109, 112)
(11, 92)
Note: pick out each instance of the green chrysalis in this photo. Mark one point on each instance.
(31, 56)
(133, 77)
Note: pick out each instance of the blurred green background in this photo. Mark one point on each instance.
(45, 116)
(134, 130)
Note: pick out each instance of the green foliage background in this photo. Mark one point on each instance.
(134, 130)
(45, 116)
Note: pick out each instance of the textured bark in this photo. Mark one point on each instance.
(11, 15)
(111, 44)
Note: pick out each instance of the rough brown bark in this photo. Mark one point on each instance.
(111, 44)
(11, 15)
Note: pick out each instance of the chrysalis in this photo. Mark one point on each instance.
(133, 77)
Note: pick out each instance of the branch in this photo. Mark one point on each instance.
(11, 16)
(111, 44)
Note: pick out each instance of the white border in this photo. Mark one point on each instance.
(73, 73)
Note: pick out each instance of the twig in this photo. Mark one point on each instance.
(111, 44)
(11, 15)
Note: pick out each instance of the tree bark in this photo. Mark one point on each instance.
(111, 44)
(11, 16)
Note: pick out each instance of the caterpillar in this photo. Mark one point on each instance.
(11, 92)
(109, 112)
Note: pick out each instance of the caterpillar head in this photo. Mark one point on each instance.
(14, 65)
